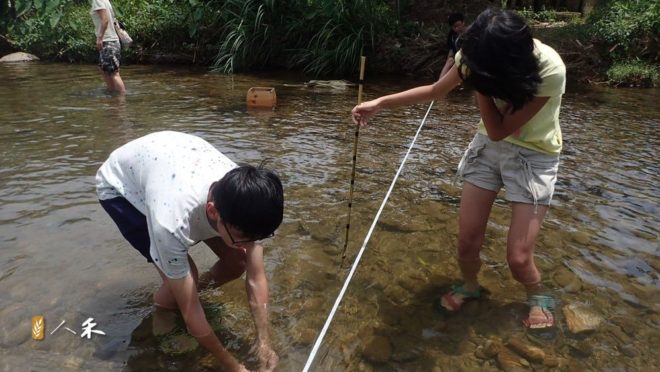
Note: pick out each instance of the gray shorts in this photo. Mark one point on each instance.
(110, 57)
(528, 176)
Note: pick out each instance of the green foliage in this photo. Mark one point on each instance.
(155, 25)
(58, 29)
(63, 29)
(542, 16)
(320, 37)
(634, 73)
(246, 38)
(341, 32)
(628, 27)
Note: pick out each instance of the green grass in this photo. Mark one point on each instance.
(634, 73)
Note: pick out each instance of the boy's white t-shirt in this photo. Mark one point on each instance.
(166, 176)
(110, 33)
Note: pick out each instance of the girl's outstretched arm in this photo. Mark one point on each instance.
(366, 110)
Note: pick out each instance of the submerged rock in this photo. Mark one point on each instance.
(582, 238)
(19, 57)
(163, 322)
(378, 350)
(566, 279)
(492, 348)
(580, 318)
(510, 361)
(582, 349)
(530, 352)
(179, 344)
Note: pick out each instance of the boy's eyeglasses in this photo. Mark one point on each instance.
(244, 241)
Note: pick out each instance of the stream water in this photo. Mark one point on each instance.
(62, 257)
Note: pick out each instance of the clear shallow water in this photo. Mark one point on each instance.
(61, 256)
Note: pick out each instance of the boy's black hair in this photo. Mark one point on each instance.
(454, 17)
(498, 51)
(250, 199)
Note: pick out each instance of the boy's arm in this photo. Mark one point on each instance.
(185, 292)
(448, 63)
(257, 290)
(105, 21)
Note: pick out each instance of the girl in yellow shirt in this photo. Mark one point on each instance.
(519, 82)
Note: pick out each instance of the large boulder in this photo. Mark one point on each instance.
(19, 57)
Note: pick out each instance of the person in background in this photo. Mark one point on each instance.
(107, 43)
(457, 26)
(519, 83)
(168, 191)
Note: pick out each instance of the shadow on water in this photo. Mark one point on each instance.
(61, 256)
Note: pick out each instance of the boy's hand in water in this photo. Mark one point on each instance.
(365, 111)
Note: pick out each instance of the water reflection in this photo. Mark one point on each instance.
(60, 256)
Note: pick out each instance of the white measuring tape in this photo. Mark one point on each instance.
(315, 349)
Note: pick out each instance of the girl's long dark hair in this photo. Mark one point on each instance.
(498, 51)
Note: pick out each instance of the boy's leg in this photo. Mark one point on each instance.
(231, 263)
(109, 63)
(109, 83)
(117, 83)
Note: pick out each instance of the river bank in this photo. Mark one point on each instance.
(617, 44)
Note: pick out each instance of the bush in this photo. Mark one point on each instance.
(634, 73)
(629, 28)
(158, 27)
(319, 37)
(54, 30)
(63, 29)
(541, 16)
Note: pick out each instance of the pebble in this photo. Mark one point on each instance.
(508, 360)
(73, 362)
(580, 318)
(492, 348)
(583, 348)
(566, 279)
(179, 344)
(582, 237)
(551, 361)
(163, 322)
(628, 351)
(530, 352)
(378, 350)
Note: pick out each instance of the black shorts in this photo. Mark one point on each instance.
(131, 223)
(110, 57)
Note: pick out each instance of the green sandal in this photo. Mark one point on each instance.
(547, 305)
(453, 305)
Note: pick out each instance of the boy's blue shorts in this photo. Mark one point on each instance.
(131, 223)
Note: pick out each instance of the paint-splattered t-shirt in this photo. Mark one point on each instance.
(166, 176)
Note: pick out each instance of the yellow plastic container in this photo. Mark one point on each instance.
(261, 97)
